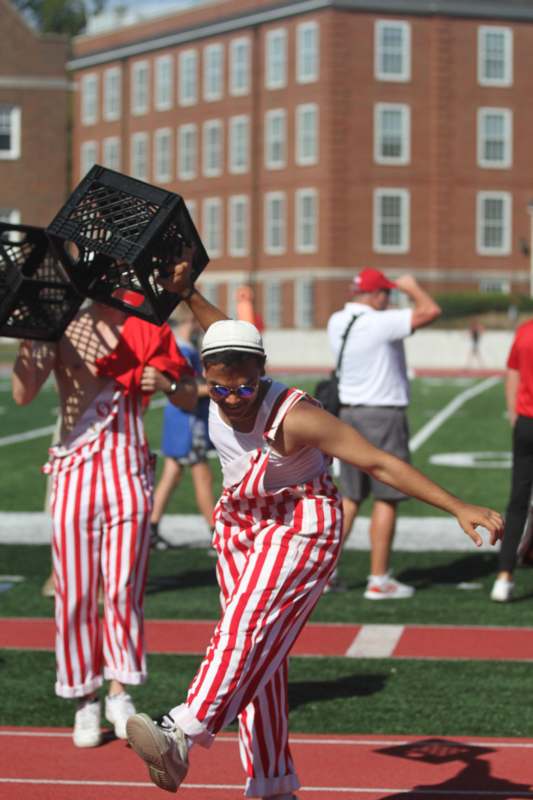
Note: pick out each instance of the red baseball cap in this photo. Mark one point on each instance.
(371, 280)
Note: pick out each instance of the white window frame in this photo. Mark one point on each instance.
(507, 78)
(405, 133)
(379, 72)
(110, 144)
(405, 223)
(234, 248)
(164, 82)
(208, 203)
(213, 74)
(299, 197)
(238, 151)
(272, 249)
(188, 77)
(184, 132)
(271, 116)
(239, 72)
(12, 216)
(89, 99)
(88, 156)
(273, 302)
(507, 218)
(304, 315)
(303, 74)
(162, 175)
(140, 87)
(112, 81)
(301, 157)
(139, 137)
(272, 65)
(507, 138)
(491, 285)
(208, 169)
(14, 115)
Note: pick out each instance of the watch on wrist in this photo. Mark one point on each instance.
(172, 388)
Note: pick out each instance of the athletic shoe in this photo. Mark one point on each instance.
(118, 709)
(87, 731)
(502, 591)
(162, 746)
(386, 588)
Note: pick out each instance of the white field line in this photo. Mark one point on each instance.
(439, 419)
(477, 793)
(375, 641)
(48, 430)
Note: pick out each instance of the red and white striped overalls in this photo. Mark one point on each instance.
(275, 552)
(101, 502)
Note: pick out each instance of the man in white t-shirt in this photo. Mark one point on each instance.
(374, 394)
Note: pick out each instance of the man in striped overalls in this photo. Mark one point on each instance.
(278, 528)
(106, 367)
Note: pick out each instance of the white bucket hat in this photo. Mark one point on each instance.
(232, 334)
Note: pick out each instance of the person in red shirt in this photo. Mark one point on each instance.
(519, 399)
(106, 367)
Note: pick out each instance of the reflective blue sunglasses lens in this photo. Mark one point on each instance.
(222, 392)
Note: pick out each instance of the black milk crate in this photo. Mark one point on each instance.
(116, 234)
(37, 299)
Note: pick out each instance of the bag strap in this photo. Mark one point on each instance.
(343, 344)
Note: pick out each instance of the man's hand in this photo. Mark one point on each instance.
(406, 283)
(469, 516)
(179, 281)
(152, 380)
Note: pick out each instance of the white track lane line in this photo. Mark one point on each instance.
(439, 419)
(375, 641)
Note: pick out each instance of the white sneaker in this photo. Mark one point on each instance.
(163, 747)
(87, 731)
(118, 709)
(386, 588)
(502, 591)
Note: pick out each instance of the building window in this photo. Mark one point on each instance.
(307, 52)
(391, 221)
(494, 223)
(164, 92)
(272, 303)
(495, 286)
(495, 56)
(139, 156)
(304, 303)
(9, 132)
(187, 151)
(239, 67)
(112, 93)
(306, 220)
(212, 226)
(10, 215)
(306, 134)
(213, 71)
(88, 157)
(239, 144)
(275, 223)
(188, 78)
(89, 99)
(212, 148)
(111, 153)
(275, 138)
(392, 133)
(495, 138)
(392, 51)
(238, 225)
(163, 155)
(276, 59)
(140, 87)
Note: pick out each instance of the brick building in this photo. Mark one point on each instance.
(33, 121)
(310, 137)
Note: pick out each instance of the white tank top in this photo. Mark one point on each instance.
(235, 448)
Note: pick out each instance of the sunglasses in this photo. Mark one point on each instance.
(245, 391)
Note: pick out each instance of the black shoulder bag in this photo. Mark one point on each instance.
(327, 391)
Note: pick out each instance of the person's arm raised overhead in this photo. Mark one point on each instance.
(424, 309)
(180, 283)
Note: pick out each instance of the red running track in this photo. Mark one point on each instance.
(363, 641)
(45, 765)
